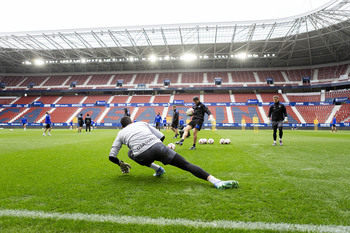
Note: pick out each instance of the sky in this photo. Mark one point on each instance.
(43, 15)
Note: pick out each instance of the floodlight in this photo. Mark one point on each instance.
(242, 56)
(83, 60)
(152, 58)
(166, 58)
(189, 57)
(39, 62)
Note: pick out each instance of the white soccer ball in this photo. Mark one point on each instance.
(204, 140)
(211, 141)
(222, 141)
(227, 141)
(171, 146)
(190, 112)
(200, 141)
(11, 129)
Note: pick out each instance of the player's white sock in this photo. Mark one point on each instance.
(154, 166)
(213, 180)
(274, 141)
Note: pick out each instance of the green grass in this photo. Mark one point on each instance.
(305, 181)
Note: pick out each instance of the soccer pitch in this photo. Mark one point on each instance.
(65, 183)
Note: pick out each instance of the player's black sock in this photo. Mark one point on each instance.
(180, 162)
(280, 133)
(194, 145)
(182, 140)
(274, 134)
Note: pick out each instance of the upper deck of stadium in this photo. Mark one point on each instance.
(316, 37)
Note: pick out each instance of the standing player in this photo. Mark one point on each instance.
(146, 146)
(334, 127)
(175, 121)
(48, 124)
(164, 124)
(87, 123)
(197, 121)
(277, 112)
(157, 121)
(80, 122)
(92, 125)
(126, 112)
(24, 122)
(71, 125)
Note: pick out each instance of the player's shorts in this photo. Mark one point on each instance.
(277, 124)
(24, 123)
(333, 125)
(48, 126)
(174, 124)
(158, 152)
(80, 124)
(196, 124)
(157, 124)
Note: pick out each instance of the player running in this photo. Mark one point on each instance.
(24, 122)
(175, 121)
(80, 122)
(334, 127)
(277, 115)
(157, 121)
(87, 123)
(197, 121)
(48, 124)
(146, 146)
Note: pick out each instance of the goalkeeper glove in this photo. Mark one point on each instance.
(285, 119)
(124, 167)
(211, 118)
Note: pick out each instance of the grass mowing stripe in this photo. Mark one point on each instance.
(178, 222)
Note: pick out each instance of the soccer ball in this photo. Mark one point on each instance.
(204, 141)
(211, 141)
(190, 112)
(227, 141)
(200, 141)
(171, 146)
(222, 141)
(11, 129)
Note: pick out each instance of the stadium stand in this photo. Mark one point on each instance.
(297, 75)
(101, 79)
(48, 99)
(140, 99)
(304, 98)
(173, 77)
(127, 78)
(61, 114)
(80, 79)
(94, 98)
(9, 113)
(148, 114)
(243, 97)
(332, 72)
(70, 100)
(115, 114)
(12, 81)
(217, 97)
(212, 75)
(245, 112)
(186, 97)
(56, 80)
(26, 100)
(242, 76)
(192, 77)
(162, 99)
(119, 99)
(37, 80)
(33, 114)
(335, 94)
(343, 115)
(310, 113)
(275, 74)
(6, 100)
(268, 97)
(144, 78)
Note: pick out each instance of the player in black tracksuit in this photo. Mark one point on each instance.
(88, 123)
(277, 114)
(126, 112)
(175, 121)
(197, 121)
(80, 122)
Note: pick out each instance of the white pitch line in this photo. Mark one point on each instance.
(178, 222)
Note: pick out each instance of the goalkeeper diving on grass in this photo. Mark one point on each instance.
(146, 146)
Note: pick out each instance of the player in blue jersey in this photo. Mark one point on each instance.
(164, 124)
(92, 124)
(48, 124)
(157, 121)
(24, 122)
(71, 125)
(334, 127)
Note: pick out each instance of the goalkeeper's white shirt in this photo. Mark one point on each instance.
(138, 136)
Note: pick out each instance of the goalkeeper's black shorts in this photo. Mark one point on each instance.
(158, 152)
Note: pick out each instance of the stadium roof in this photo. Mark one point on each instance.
(316, 37)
